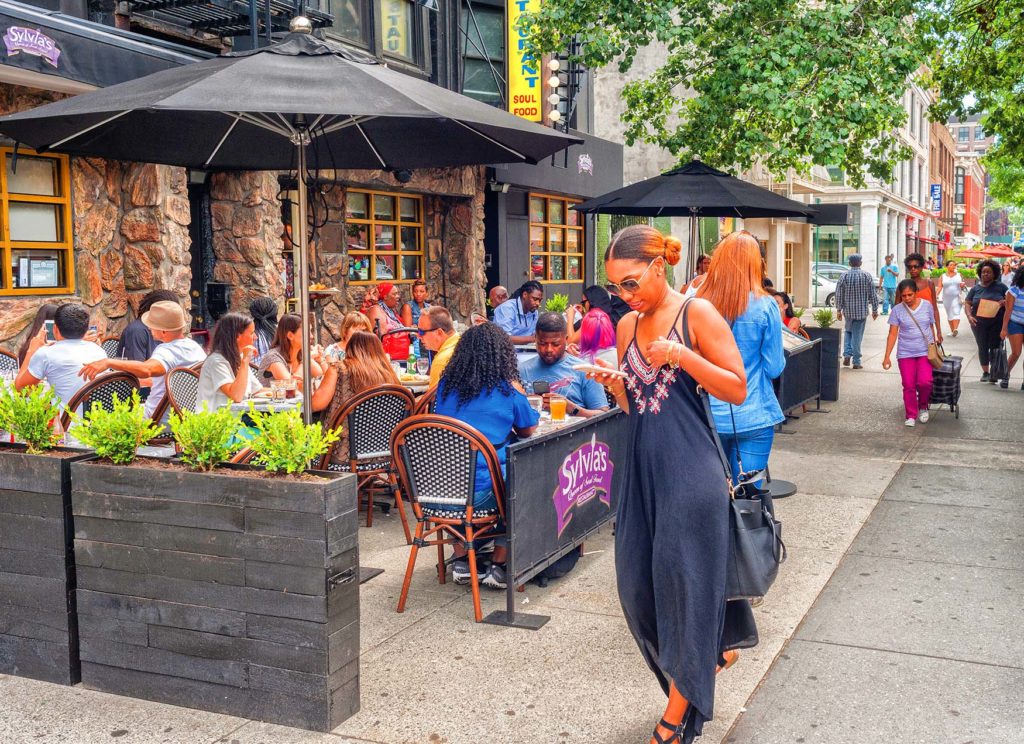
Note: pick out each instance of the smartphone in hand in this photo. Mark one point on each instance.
(48, 325)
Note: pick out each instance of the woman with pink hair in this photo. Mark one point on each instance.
(597, 335)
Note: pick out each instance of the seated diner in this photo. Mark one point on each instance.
(283, 360)
(227, 376)
(518, 316)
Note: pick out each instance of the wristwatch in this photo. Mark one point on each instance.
(574, 410)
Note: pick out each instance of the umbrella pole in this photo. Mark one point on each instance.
(691, 269)
(301, 139)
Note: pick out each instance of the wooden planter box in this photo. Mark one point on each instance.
(237, 595)
(831, 349)
(38, 629)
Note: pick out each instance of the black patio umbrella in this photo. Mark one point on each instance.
(300, 104)
(695, 190)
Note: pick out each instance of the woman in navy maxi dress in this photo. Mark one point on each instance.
(672, 529)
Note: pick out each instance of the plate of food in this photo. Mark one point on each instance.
(411, 379)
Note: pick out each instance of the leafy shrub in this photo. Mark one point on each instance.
(557, 304)
(965, 273)
(206, 438)
(284, 443)
(116, 434)
(968, 273)
(824, 317)
(798, 312)
(28, 414)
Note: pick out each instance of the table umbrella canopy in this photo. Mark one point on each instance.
(971, 255)
(302, 104)
(695, 190)
(241, 112)
(999, 251)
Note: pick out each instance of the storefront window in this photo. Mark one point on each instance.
(351, 20)
(397, 28)
(556, 240)
(35, 239)
(383, 236)
(482, 43)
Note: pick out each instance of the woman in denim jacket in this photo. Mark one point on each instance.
(734, 287)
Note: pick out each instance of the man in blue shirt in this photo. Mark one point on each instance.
(518, 317)
(889, 278)
(554, 366)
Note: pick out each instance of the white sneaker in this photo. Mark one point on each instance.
(910, 422)
(923, 417)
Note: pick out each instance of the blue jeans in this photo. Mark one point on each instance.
(889, 300)
(853, 334)
(753, 447)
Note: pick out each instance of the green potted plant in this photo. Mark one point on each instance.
(798, 312)
(557, 303)
(831, 348)
(227, 587)
(38, 625)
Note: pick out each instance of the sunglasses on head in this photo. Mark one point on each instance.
(630, 286)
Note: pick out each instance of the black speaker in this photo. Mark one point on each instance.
(217, 299)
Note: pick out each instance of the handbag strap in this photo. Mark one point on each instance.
(706, 400)
(919, 328)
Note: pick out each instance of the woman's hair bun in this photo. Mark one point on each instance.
(673, 249)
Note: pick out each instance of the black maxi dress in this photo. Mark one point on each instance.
(672, 538)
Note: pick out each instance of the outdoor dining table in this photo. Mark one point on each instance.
(266, 404)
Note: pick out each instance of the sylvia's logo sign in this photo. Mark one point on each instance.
(585, 474)
(585, 164)
(31, 41)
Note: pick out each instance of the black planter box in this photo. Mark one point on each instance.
(831, 348)
(236, 595)
(38, 629)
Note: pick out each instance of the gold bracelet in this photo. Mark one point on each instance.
(679, 355)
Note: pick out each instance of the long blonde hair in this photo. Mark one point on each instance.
(354, 321)
(366, 364)
(736, 270)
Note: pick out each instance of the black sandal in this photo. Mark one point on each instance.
(676, 730)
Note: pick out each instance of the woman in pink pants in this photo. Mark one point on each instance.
(913, 322)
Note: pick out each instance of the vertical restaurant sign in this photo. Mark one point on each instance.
(396, 22)
(525, 87)
(586, 474)
(31, 41)
(936, 194)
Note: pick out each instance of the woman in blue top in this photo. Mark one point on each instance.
(481, 387)
(1013, 323)
(734, 286)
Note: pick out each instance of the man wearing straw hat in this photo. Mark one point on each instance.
(166, 321)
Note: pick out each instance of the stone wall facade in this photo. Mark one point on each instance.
(130, 235)
(453, 205)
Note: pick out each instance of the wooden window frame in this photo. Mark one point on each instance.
(371, 222)
(547, 225)
(65, 245)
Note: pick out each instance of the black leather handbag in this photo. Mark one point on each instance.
(756, 546)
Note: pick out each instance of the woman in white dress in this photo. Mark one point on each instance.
(951, 284)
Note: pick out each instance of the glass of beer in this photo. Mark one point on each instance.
(557, 404)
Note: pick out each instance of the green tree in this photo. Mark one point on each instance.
(792, 83)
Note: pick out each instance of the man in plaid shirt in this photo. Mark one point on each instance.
(855, 290)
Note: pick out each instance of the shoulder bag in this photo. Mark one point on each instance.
(755, 546)
(936, 354)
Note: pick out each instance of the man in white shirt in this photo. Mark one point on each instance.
(167, 322)
(59, 362)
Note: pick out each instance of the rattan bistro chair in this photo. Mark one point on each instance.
(101, 390)
(109, 345)
(436, 461)
(182, 389)
(426, 402)
(367, 420)
(8, 362)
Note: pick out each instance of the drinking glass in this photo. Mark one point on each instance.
(289, 388)
(557, 404)
(536, 402)
(422, 366)
(277, 390)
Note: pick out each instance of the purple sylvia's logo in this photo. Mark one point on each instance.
(585, 474)
(31, 41)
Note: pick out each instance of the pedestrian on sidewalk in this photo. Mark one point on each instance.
(1013, 323)
(855, 291)
(672, 528)
(888, 278)
(951, 284)
(985, 306)
(914, 323)
(734, 287)
(925, 285)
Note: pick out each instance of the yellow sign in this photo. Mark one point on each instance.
(397, 23)
(525, 87)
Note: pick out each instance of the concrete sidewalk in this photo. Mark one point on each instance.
(915, 638)
(886, 653)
